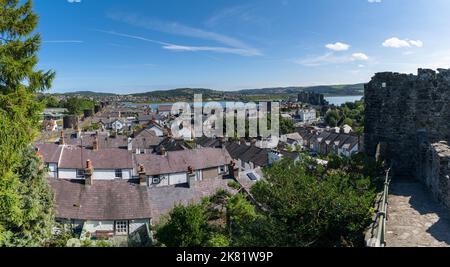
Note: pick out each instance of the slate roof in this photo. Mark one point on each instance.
(340, 139)
(146, 139)
(328, 140)
(70, 157)
(50, 152)
(109, 158)
(179, 161)
(258, 156)
(350, 143)
(170, 144)
(104, 200)
(207, 142)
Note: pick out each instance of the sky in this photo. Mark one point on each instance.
(144, 45)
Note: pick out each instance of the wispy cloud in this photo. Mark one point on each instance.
(183, 48)
(331, 58)
(230, 44)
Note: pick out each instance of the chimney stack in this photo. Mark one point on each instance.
(95, 143)
(88, 173)
(61, 138)
(142, 176)
(233, 170)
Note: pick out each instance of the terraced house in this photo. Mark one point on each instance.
(113, 193)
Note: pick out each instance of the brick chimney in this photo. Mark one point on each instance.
(233, 170)
(61, 138)
(88, 173)
(142, 176)
(95, 143)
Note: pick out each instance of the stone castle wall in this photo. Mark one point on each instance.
(435, 170)
(404, 114)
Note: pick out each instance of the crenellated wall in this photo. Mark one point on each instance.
(404, 114)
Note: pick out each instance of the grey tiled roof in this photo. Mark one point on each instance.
(179, 161)
(104, 200)
(75, 157)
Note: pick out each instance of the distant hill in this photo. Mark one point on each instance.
(183, 93)
(87, 94)
(328, 90)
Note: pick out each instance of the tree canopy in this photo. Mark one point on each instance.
(21, 208)
(300, 204)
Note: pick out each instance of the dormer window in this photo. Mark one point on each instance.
(80, 173)
(118, 174)
(383, 85)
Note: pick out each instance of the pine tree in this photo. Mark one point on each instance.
(19, 118)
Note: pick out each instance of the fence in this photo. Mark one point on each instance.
(378, 232)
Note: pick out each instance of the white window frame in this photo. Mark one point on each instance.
(116, 171)
(78, 173)
(222, 169)
(121, 227)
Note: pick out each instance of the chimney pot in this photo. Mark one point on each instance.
(142, 176)
(61, 138)
(88, 172)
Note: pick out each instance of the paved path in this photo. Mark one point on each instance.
(415, 219)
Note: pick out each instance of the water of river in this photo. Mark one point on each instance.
(333, 100)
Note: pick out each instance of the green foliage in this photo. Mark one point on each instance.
(186, 227)
(351, 114)
(218, 241)
(300, 204)
(20, 110)
(50, 101)
(286, 125)
(332, 118)
(234, 185)
(306, 207)
(77, 106)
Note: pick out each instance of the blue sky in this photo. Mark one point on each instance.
(141, 45)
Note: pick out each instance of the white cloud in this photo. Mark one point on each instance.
(331, 58)
(74, 1)
(338, 46)
(374, 1)
(396, 42)
(359, 57)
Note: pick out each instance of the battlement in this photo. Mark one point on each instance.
(405, 110)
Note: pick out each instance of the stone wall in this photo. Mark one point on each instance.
(405, 114)
(435, 170)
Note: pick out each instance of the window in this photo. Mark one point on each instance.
(122, 227)
(118, 174)
(156, 180)
(222, 170)
(80, 173)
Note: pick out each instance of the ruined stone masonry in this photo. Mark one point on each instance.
(408, 125)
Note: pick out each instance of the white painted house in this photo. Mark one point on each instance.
(307, 115)
(69, 162)
(182, 167)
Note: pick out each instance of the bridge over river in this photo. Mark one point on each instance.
(414, 218)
